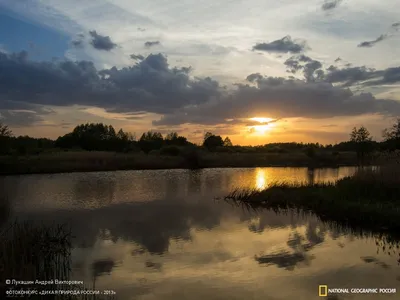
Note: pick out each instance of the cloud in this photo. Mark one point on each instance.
(389, 76)
(77, 43)
(137, 57)
(15, 118)
(392, 31)
(369, 44)
(351, 76)
(283, 98)
(348, 76)
(150, 44)
(284, 45)
(338, 59)
(101, 42)
(311, 68)
(151, 85)
(330, 4)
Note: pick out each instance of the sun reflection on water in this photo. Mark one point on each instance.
(261, 179)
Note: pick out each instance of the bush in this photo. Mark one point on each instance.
(170, 150)
(154, 152)
(276, 149)
(224, 149)
(192, 158)
(310, 152)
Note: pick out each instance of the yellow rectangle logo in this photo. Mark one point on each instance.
(323, 290)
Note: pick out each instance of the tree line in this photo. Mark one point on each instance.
(102, 137)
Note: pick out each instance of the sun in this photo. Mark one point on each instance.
(261, 120)
(262, 129)
(264, 126)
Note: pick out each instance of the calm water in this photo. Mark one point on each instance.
(161, 235)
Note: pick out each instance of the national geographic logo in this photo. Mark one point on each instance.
(323, 291)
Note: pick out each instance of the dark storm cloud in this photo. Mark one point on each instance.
(137, 57)
(396, 25)
(77, 43)
(330, 4)
(19, 118)
(283, 98)
(20, 114)
(311, 68)
(284, 45)
(101, 42)
(150, 85)
(389, 76)
(150, 44)
(369, 44)
(352, 75)
(312, 71)
(254, 77)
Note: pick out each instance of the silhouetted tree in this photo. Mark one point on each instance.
(363, 141)
(392, 136)
(5, 131)
(151, 141)
(5, 138)
(176, 140)
(227, 142)
(207, 135)
(213, 142)
(96, 136)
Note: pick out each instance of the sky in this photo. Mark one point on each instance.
(258, 71)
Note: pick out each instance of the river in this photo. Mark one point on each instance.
(161, 234)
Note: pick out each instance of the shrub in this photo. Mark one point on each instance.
(154, 152)
(310, 152)
(170, 150)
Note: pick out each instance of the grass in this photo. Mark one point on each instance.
(370, 199)
(30, 252)
(85, 161)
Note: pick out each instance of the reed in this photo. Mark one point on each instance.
(369, 199)
(31, 251)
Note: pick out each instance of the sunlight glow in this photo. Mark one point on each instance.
(262, 120)
(262, 129)
(264, 126)
(261, 179)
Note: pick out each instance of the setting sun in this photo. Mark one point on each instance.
(262, 120)
(262, 129)
(264, 126)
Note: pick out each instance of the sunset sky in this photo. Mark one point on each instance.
(257, 71)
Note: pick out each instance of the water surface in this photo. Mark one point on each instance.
(161, 235)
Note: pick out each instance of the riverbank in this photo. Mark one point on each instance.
(367, 200)
(81, 161)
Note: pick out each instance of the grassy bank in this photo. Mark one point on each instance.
(369, 199)
(81, 161)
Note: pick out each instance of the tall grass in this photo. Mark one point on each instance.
(370, 199)
(31, 251)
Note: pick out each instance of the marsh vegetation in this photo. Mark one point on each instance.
(33, 251)
(368, 200)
